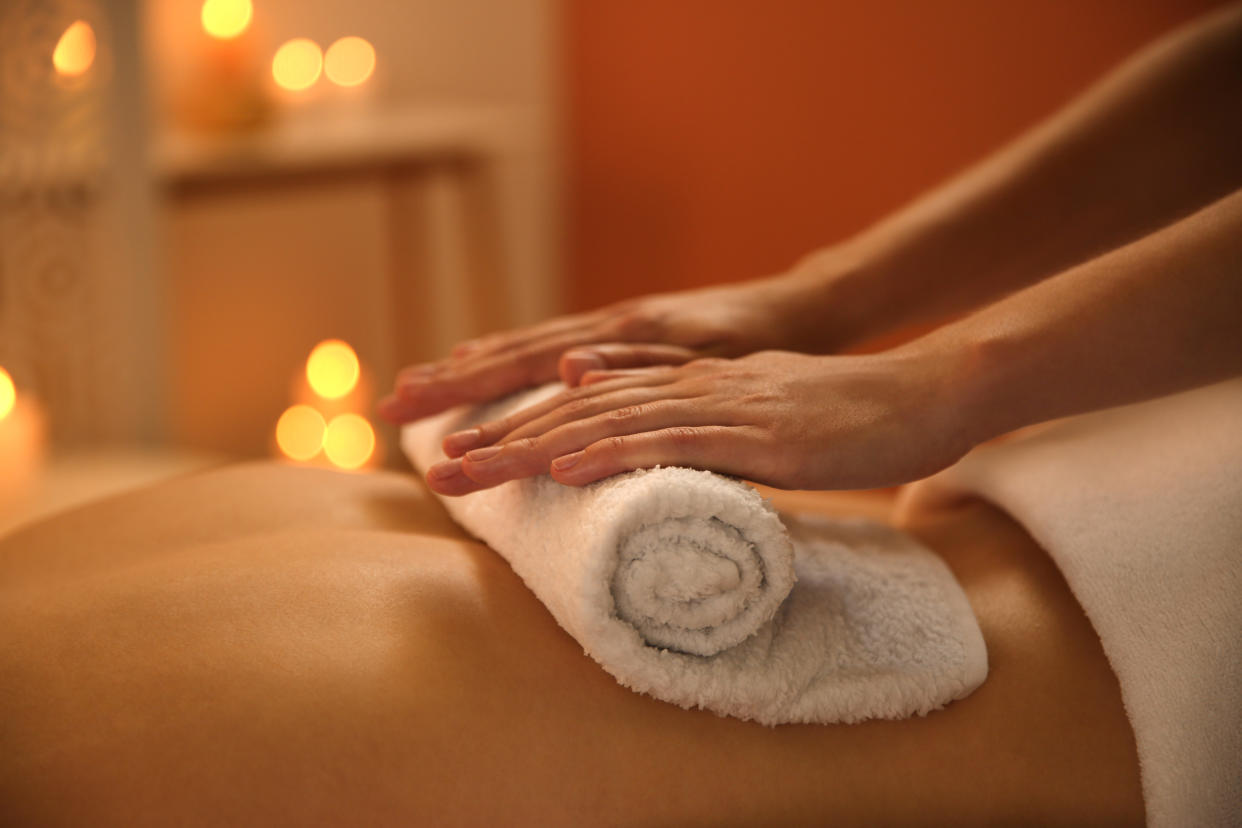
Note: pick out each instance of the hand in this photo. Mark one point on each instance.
(787, 420)
(666, 329)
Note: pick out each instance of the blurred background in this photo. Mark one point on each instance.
(224, 225)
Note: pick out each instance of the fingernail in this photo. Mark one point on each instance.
(566, 462)
(416, 373)
(587, 359)
(444, 470)
(480, 454)
(465, 439)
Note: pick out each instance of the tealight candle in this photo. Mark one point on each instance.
(22, 432)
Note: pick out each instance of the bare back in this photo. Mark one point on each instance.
(265, 645)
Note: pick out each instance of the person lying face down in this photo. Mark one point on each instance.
(744, 379)
(337, 652)
(265, 644)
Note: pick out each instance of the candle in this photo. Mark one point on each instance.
(22, 431)
(325, 425)
(225, 89)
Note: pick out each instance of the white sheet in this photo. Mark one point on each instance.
(1141, 507)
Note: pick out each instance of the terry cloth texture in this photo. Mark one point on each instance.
(1141, 508)
(681, 584)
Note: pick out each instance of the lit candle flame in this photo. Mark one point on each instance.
(75, 51)
(297, 64)
(349, 441)
(349, 61)
(226, 19)
(332, 369)
(8, 394)
(300, 432)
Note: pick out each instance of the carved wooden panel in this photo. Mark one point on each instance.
(62, 236)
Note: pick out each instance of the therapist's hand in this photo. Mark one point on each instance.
(785, 419)
(790, 311)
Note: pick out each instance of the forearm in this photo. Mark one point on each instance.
(1153, 141)
(1154, 317)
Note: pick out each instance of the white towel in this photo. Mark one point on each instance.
(681, 584)
(1141, 508)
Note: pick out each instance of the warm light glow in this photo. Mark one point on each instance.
(349, 441)
(332, 369)
(75, 51)
(226, 18)
(297, 64)
(349, 61)
(300, 432)
(8, 394)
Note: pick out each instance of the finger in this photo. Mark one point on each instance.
(470, 346)
(737, 450)
(446, 478)
(513, 361)
(412, 373)
(612, 355)
(476, 380)
(529, 456)
(593, 377)
(572, 403)
(502, 341)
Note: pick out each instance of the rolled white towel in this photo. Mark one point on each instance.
(681, 583)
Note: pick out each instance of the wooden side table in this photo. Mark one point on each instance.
(381, 229)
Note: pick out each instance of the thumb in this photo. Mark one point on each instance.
(609, 356)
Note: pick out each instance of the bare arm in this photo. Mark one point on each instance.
(1157, 316)
(1153, 141)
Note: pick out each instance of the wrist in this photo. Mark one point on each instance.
(850, 293)
(974, 372)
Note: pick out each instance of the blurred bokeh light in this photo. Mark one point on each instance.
(332, 369)
(226, 18)
(297, 64)
(349, 61)
(75, 51)
(349, 441)
(8, 394)
(300, 432)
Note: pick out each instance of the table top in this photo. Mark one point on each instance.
(351, 139)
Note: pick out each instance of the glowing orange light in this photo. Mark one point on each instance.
(349, 441)
(75, 51)
(332, 369)
(349, 61)
(8, 394)
(300, 432)
(297, 64)
(226, 18)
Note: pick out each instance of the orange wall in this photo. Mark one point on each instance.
(715, 140)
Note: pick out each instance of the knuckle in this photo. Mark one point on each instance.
(525, 445)
(616, 445)
(636, 324)
(627, 412)
(577, 406)
(684, 435)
